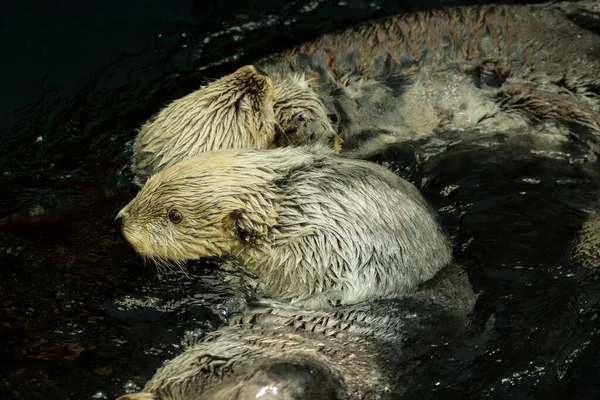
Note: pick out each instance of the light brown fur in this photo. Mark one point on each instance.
(234, 112)
(316, 228)
(586, 246)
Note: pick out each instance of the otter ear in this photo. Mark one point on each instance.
(246, 229)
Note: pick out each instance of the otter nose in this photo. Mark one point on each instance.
(120, 219)
(119, 228)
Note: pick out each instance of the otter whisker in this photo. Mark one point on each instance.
(160, 267)
(166, 267)
(181, 264)
(144, 260)
(169, 267)
(207, 79)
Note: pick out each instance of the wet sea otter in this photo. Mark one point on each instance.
(354, 352)
(485, 68)
(586, 246)
(316, 228)
(235, 111)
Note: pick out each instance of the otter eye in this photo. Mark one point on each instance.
(175, 216)
(260, 126)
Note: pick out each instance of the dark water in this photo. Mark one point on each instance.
(513, 216)
(82, 317)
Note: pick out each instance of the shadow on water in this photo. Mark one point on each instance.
(82, 317)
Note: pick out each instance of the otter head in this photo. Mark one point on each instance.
(235, 111)
(204, 206)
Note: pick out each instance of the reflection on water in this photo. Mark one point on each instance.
(82, 317)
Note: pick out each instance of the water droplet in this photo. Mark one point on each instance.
(131, 386)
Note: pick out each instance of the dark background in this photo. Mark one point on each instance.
(59, 44)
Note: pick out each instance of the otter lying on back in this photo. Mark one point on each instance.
(487, 67)
(363, 351)
(490, 68)
(483, 69)
(316, 228)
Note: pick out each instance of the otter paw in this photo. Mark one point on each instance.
(137, 396)
(321, 301)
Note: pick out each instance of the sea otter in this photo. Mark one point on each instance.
(356, 352)
(316, 228)
(480, 69)
(235, 111)
(490, 67)
(477, 69)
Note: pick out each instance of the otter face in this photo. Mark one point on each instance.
(235, 111)
(170, 222)
(204, 206)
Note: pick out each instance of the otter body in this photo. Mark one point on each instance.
(481, 69)
(586, 246)
(233, 112)
(491, 67)
(357, 352)
(316, 228)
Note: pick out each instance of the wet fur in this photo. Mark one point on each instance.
(401, 77)
(233, 112)
(316, 228)
(586, 246)
(350, 353)
(483, 69)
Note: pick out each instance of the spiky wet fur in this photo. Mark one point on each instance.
(586, 246)
(483, 69)
(301, 116)
(316, 228)
(233, 112)
(352, 352)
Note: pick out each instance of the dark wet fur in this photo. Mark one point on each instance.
(508, 53)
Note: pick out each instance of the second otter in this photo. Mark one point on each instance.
(234, 112)
(480, 69)
(316, 228)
